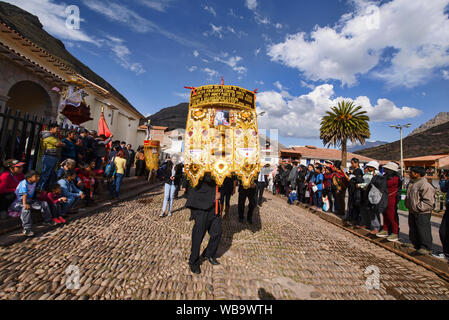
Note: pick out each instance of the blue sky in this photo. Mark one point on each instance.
(391, 57)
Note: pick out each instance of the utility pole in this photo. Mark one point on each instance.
(400, 127)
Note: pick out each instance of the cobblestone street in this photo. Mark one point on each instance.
(129, 252)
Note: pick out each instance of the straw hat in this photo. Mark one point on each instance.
(373, 164)
(392, 166)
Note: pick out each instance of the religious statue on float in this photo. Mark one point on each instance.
(74, 106)
(152, 149)
(222, 134)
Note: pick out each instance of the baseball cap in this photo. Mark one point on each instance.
(13, 163)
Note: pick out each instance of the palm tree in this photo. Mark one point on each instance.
(345, 122)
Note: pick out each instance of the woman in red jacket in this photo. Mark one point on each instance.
(391, 222)
(9, 179)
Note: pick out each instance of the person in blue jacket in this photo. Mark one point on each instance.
(69, 150)
(70, 191)
(444, 226)
(319, 179)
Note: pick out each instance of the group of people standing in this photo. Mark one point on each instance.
(366, 197)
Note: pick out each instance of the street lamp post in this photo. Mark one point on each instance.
(400, 127)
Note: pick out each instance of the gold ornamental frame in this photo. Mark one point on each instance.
(222, 135)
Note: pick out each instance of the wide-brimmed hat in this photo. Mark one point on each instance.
(13, 163)
(373, 164)
(392, 166)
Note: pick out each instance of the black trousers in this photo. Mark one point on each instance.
(420, 230)
(444, 231)
(205, 220)
(260, 186)
(140, 168)
(249, 193)
(128, 170)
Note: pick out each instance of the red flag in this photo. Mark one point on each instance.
(103, 128)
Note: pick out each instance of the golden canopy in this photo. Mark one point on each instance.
(222, 134)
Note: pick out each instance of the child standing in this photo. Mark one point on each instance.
(25, 201)
(54, 201)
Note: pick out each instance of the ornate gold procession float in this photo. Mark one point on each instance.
(222, 134)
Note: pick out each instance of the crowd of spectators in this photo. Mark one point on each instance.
(71, 171)
(367, 197)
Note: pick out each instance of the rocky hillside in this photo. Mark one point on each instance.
(440, 118)
(368, 144)
(171, 117)
(429, 142)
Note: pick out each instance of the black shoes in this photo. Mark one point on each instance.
(212, 261)
(195, 268)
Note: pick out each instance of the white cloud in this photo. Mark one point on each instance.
(120, 13)
(300, 116)
(251, 4)
(307, 85)
(122, 54)
(260, 82)
(185, 96)
(261, 20)
(233, 14)
(210, 10)
(215, 31)
(192, 68)
(278, 26)
(256, 52)
(53, 17)
(232, 62)
(401, 42)
(196, 53)
(159, 5)
(445, 74)
(210, 72)
(283, 91)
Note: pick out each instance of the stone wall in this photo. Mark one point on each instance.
(11, 74)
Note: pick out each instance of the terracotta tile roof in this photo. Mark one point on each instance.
(428, 158)
(324, 153)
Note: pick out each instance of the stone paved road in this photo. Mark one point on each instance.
(128, 252)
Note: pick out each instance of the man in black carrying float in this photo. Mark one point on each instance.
(222, 140)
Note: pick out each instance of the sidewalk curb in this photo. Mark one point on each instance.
(13, 236)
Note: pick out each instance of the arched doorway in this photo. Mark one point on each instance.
(28, 96)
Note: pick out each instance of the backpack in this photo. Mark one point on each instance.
(110, 169)
(338, 183)
(376, 198)
(292, 197)
(374, 195)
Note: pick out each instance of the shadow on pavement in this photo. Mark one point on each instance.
(264, 295)
(231, 226)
